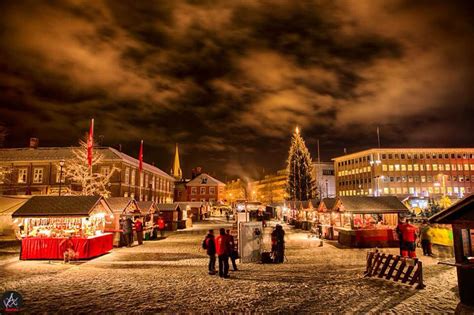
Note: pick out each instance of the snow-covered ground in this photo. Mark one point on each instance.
(170, 276)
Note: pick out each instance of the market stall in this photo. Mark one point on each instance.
(147, 210)
(48, 223)
(368, 221)
(122, 207)
(169, 213)
(328, 218)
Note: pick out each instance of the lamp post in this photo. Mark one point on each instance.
(327, 189)
(61, 165)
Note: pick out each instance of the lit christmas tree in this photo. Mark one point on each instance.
(300, 182)
(77, 170)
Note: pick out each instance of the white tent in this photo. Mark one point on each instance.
(8, 205)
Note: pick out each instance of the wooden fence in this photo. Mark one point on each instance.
(394, 267)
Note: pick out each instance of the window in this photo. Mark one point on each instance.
(212, 190)
(390, 167)
(202, 190)
(141, 179)
(429, 179)
(193, 190)
(146, 180)
(466, 167)
(153, 182)
(402, 156)
(384, 167)
(133, 178)
(428, 167)
(421, 167)
(105, 170)
(447, 167)
(435, 167)
(404, 167)
(127, 175)
(410, 167)
(37, 175)
(441, 167)
(415, 167)
(459, 167)
(411, 190)
(417, 179)
(390, 156)
(404, 179)
(423, 179)
(125, 194)
(22, 175)
(410, 179)
(397, 167)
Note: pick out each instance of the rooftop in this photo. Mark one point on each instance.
(39, 206)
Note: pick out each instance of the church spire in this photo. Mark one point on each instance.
(176, 171)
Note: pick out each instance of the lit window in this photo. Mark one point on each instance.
(37, 175)
(450, 190)
(466, 167)
(410, 167)
(430, 190)
(105, 171)
(410, 179)
(423, 179)
(435, 167)
(405, 190)
(22, 175)
(384, 167)
(390, 167)
(385, 190)
(411, 190)
(404, 167)
(127, 175)
(459, 167)
(133, 182)
(447, 167)
(421, 167)
(441, 167)
(399, 190)
(397, 167)
(392, 191)
(415, 167)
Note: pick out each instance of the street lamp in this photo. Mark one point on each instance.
(61, 165)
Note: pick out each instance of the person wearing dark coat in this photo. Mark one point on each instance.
(210, 246)
(128, 231)
(278, 244)
(233, 253)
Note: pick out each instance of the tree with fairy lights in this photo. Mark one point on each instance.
(80, 173)
(300, 183)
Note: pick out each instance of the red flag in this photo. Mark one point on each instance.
(90, 143)
(140, 157)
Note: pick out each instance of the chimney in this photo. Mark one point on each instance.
(34, 143)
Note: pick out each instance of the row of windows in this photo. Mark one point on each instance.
(459, 191)
(144, 197)
(410, 156)
(203, 190)
(409, 179)
(411, 167)
(146, 181)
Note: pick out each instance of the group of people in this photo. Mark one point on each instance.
(408, 235)
(224, 247)
(278, 244)
(129, 226)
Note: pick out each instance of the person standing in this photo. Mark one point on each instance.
(128, 231)
(278, 243)
(139, 230)
(122, 241)
(223, 251)
(426, 235)
(210, 246)
(233, 252)
(408, 232)
(161, 226)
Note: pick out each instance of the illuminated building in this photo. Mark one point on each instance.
(406, 172)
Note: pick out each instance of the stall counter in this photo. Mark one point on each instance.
(51, 248)
(381, 237)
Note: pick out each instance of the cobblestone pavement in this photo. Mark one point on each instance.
(170, 276)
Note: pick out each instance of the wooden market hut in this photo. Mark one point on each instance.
(366, 221)
(328, 218)
(121, 208)
(169, 213)
(187, 212)
(461, 217)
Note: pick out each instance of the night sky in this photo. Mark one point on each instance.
(230, 80)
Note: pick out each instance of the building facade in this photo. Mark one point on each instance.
(272, 188)
(406, 172)
(205, 188)
(236, 190)
(38, 171)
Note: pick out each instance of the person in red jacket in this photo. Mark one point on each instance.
(408, 234)
(223, 250)
(139, 230)
(161, 226)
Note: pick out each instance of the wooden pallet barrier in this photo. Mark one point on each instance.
(394, 267)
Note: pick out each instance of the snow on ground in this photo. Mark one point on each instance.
(170, 276)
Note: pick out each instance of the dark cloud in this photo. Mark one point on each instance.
(229, 80)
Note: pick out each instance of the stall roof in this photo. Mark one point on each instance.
(9, 204)
(329, 202)
(38, 206)
(166, 206)
(191, 204)
(146, 206)
(460, 212)
(120, 204)
(366, 204)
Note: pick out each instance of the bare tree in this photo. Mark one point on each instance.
(78, 172)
